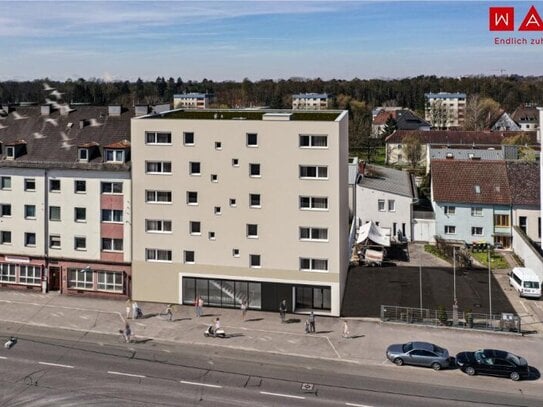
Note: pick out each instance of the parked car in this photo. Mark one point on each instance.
(418, 354)
(493, 362)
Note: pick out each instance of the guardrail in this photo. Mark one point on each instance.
(504, 322)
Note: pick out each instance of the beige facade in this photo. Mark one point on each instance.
(214, 222)
(310, 101)
(191, 101)
(445, 110)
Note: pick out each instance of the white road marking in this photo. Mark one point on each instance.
(524, 306)
(126, 374)
(282, 395)
(201, 384)
(55, 364)
(3, 357)
(357, 405)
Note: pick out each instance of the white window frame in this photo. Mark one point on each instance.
(26, 207)
(233, 202)
(158, 226)
(186, 253)
(450, 229)
(474, 229)
(252, 264)
(312, 141)
(10, 152)
(319, 169)
(192, 172)
(111, 216)
(54, 239)
(152, 255)
(55, 219)
(311, 203)
(8, 273)
(27, 181)
(112, 185)
(256, 196)
(112, 243)
(83, 154)
(312, 265)
(114, 155)
(6, 241)
(250, 233)
(161, 167)
(477, 211)
(2, 206)
(154, 135)
(84, 279)
(109, 286)
(449, 210)
(235, 162)
(381, 205)
(51, 185)
(155, 195)
(255, 165)
(235, 252)
(29, 274)
(80, 239)
(193, 225)
(189, 199)
(185, 136)
(3, 183)
(78, 182)
(26, 236)
(80, 220)
(312, 231)
(249, 135)
(393, 202)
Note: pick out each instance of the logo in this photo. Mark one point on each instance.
(503, 19)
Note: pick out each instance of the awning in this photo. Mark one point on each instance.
(374, 233)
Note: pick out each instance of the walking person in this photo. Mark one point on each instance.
(128, 305)
(197, 306)
(134, 310)
(127, 333)
(307, 329)
(283, 310)
(200, 306)
(312, 322)
(243, 308)
(346, 332)
(169, 312)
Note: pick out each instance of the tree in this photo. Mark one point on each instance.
(412, 147)
(390, 126)
(480, 112)
(438, 114)
(519, 139)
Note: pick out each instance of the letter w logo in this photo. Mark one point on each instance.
(501, 18)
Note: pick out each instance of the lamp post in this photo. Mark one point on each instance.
(454, 273)
(489, 284)
(420, 279)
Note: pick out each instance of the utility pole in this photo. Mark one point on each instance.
(454, 273)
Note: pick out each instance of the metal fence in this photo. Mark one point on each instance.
(504, 322)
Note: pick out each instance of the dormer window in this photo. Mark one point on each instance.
(116, 156)
(10, 152)
(83, 154)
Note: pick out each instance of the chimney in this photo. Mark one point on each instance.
(82, 123)
(114, 110)
(46, 110)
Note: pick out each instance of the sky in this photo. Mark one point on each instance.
(233, 40)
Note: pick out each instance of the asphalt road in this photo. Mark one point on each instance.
(83, 369)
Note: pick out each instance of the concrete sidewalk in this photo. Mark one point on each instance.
(261, 331)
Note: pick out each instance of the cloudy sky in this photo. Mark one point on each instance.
(231, 40)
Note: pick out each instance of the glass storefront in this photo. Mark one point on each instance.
(222, 293)
(313, 297)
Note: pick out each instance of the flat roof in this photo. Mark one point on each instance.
(310, 95)
(245, 114)
(445, 95)
(191, 95)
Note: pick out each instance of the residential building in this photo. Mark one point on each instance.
(65, 200)
(386, 197)
(310, 101)
(445, 110)
(236, 205)
(191, 100)
(527, 117)
(403, 119)
(504, 122)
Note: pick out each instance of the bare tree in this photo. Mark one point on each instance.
(438, 114)
(480, 112)
(412, 147)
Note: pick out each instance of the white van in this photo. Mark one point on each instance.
(525, 281)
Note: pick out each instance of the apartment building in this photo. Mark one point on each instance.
(65, 200)
(235, 205)
(191, 100)
(445, 110)
(310, 101)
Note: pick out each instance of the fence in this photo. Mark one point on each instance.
(504, 322)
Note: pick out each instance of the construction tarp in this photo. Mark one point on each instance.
(374, 233)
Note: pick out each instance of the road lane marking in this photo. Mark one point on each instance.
(357, 405)
(3, 357)
(283, 395)
(126, 374)
(56, 365)
(215, 386)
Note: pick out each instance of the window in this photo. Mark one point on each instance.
(450, 230)
(476, 231)
(110, 281)
(254, 170)
(450, 210)
(112, 215)
(54, 241)
(83, 154)
(254, 200)
(308, 233)
(214, 177)
(218, 145)
(5, 237)
(158, 167)
(252, 140)
(313, 171)
(158, 226)
(80, 243)
(158, 255)
(54, 185)
(80, 214)
(192, 198)
(254, 260)
(188, 138)
(235, 162)
(391, 205)
(211, 235)
(30, 184)
(114, 156)
(80, 279)
(30, 275)
(235, 252)
(80, 186)
(313, 140)
(188, 256)
(54, 213)
(217, 210)
(10, 152)
(5, 183)
(477, 211)
(158, 196)
(477, 189)
(522, 223)
(252, 231)
(5, 210)
(501, 220)
(152, 137)
(307, 264)
(313, 202)
(233, 202)
(112, 187)
(194, 168)
(381, 205)
(7, 273)
(112, 245)
(195, 228)
(30, 239)
(30, 211)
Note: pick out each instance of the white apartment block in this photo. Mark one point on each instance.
(240, 205)
(191, 101)
(310, 101)
(445, 110)
(65, 201)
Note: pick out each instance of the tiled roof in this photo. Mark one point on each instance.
(387, 180)
(460, 137)
(459, 181)
(119, 144)
(524, 182)
(382, 117)
(52, 140)
(525, 114)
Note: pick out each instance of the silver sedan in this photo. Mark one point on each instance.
(418, 354)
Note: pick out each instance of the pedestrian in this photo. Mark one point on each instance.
(346, 332)
(312, 322)
(134, 310)
(243, 308)
(127, 333)
(306, 326)
(283, 310)
(169, 312)
(200, 306)
(197, 306)
(128, 307)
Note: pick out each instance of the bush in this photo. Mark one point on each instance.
(442, 315)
